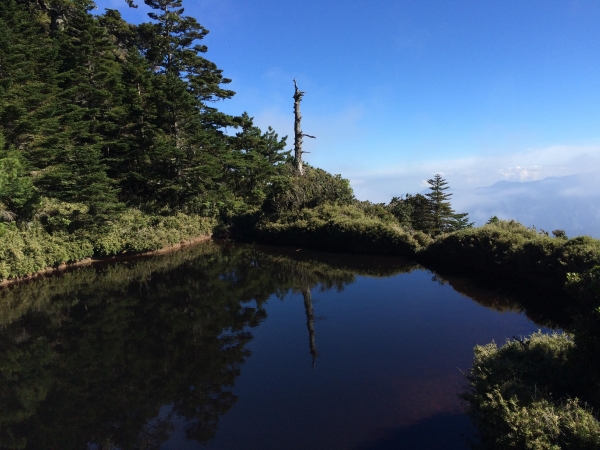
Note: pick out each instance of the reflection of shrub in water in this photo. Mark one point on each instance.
(57, 292)
(128, 339)
(483, 295)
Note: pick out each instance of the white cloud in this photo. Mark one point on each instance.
(475, 171)
(571, 203)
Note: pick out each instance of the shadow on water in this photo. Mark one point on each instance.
(97, 352)
(546, 307)
(90, 358)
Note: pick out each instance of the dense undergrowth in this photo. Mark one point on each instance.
(342, 228)
(27, 250)
(530, 394)
(543, 392)
(509, 249)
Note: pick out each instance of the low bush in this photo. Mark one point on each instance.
(135, 232)
(24, 252)
(377, 211)
(585, 287)
(524, 395)
(513, 250)
(290, 192)
(338, 227)
(27, 250)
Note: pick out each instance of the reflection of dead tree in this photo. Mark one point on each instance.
(310, 323)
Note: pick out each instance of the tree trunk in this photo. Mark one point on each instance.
(298, 135)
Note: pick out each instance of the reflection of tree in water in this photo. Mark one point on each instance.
(306, 269)
(93, 356)
(545, 308)
(310, 323)
(126, 349)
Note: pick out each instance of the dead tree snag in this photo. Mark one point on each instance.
(298, 135)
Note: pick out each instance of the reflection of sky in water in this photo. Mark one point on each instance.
(389, 371)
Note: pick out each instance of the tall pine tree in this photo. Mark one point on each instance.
(29, 60)
(187, 158)
(89, 118)
(443, 217)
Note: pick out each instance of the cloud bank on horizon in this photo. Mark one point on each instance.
(477, 171)
(552, 188)
(570, 203)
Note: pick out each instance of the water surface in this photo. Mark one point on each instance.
(240, 347)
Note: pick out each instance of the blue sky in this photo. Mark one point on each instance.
(479, 91)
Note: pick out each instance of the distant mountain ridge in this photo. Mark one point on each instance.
(570, 203)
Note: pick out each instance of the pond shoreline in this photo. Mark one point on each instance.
(504, 252)
(52, 271)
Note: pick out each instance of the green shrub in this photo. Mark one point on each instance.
(523, 395)
(511, 249)
(585, 287)
(541, 425)
(579, 254)
(135, 232)
(57, 216)
(337, 227)
(24, 252)
(377, 211)
(290, 192)
(32, 249)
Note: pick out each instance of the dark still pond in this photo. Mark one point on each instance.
(227, 346)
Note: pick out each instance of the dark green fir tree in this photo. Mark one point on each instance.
(443, 217)
(255, 158)
(186, 157)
